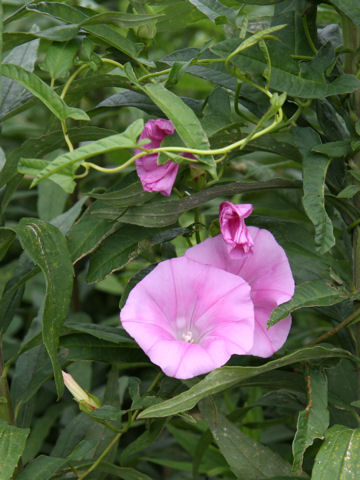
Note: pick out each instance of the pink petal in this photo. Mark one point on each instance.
(233, 229)
(154, 177)
(182, 301)
(268, 273)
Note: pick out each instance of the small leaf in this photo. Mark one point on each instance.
(46, 246)
(42, 91)
(338, 457)
(338, 149)
(184, 119)
(314, 172)
(67, 161)
(216, 11)
(59, 59)
(12, 444)
(349, 191)
(314, 420)
(123, 20)
(316, 293)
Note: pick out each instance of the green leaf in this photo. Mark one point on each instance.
(166, 212)
(255, 39)
(338, 149)
(40, 146)
(32, 167)
(87, 234)
(65, 220)
(350, 8)
(227, 377)
(314, 173)
(59, 59)
(216, 11)
(126, 473)
(60, 33)
(42, 91)
(349, 191)
(87, 347)
(123, 20)
(127, 139)
(12, 444)
(123, 246)
(42, 468)
(46, 246)
(73, 15)
(186, 123)
(103, 332)
(314, 420)
(13, 95)
(6, 239)
(338, 457)
(246, 457)
(49, 210)
(285, 71)
(316, 293)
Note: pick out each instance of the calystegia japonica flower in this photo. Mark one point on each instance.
(191, 313)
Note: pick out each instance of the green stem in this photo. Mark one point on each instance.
(339, 327)
(217, 151)
(6, 410)
(105, 452)
(307, 34)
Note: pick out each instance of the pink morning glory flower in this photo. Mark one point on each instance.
(190, 317)
(268, 273)
(233, 228)
(154, 177)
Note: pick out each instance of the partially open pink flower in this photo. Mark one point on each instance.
(154, 177)
(268, 273)
(189, 317)
(233, 228)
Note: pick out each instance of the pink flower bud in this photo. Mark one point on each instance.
(234, 231)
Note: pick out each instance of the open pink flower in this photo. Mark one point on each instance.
(268, 273)
(233, 228)
(154, 177)
(189, 317)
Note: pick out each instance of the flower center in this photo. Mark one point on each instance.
(188, 337)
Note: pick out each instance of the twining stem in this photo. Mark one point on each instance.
(217, 151)
(335, 330)
(132, 418)
(6, 410)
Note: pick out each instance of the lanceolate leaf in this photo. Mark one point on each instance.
(12, 444)
(314, 420)
(338, 457)
(186, 123)
(42, 91)
(314, 172)
(123, 20)
(317, 293)
(46, 246)
(73, 15)
(246, 457)
(127, 139)
(166, 212)
(227, 377)
(350, 8)
(42, 468)
(216, 11)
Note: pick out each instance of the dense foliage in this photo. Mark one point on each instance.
(265, 96)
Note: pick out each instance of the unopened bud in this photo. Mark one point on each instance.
(86, 400)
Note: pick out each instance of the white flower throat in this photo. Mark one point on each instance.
(188, 337)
